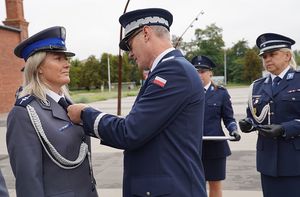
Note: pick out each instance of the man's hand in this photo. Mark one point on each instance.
(246, 125)
(236, 135)
(273, 130)
(74, 112)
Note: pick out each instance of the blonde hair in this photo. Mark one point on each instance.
(33, 84)
(292, 61)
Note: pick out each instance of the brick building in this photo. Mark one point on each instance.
(12, 32)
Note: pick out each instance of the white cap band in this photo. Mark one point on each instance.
(144, 21)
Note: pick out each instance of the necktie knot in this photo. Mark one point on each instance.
(275, 84)
(276, 80)
(62, 101)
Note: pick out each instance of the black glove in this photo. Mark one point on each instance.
(273, 130)
(236, 136)
(246, 125)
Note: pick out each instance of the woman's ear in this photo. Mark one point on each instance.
(288, 57)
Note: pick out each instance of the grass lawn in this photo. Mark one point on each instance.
(85, 96)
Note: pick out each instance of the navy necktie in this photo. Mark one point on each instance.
(62, 101)
(275, 83)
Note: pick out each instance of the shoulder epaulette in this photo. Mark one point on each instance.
(221, 87)
(168, 58)
(260, 79)
(24, 101)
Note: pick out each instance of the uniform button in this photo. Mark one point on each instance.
(271, 101)
(293, 98)
(148, 193)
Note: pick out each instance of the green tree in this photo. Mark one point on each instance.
(297, 56)
(90, 75)
(131, 72)
(235, 61)
(75, 73)
(208, 42)
(252, 69)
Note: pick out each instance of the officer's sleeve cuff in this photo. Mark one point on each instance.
(96, 124)
(232, 127)
(91, 118)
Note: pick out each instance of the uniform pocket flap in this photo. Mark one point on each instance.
(151, 186)
(291, 97)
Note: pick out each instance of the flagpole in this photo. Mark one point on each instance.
(120, 68)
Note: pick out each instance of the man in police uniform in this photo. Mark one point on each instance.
(3, 189)
(273, 110)
(162, 134)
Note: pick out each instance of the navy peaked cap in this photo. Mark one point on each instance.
(203, 62)
(50, 40)
(134, 20)
(271, 41)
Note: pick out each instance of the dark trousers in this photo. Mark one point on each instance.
(282, 186)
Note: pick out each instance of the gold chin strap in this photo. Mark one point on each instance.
(264, 112)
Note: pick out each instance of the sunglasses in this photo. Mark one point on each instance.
(128, 42)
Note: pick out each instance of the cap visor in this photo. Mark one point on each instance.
(270, 50)
(123, 44)
(67, 53)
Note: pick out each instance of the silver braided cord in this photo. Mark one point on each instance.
(264, 112)
(57, 158)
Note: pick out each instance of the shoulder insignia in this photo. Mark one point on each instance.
(159, 81)
(24, 101)
(290, 76)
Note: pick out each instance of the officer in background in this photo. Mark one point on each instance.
(3, 188)
(49, 155)
(274, 110)
(218, 107)
(162, 134)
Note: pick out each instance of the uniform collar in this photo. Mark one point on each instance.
(282, 74)
(54, 95)
(158, 58)
(207, 86)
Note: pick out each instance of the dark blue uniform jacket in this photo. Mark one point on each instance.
(162, 134)
(218, 107)
(279, 156)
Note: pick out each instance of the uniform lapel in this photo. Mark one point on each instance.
(267, 86)
(209, 92)
(284, 82)
(57, 110)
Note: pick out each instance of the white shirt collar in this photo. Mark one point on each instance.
(207, 86)
(281, 75)
(54, 95)
(158, 58)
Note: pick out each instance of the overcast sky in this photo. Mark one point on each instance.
(93, 27)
